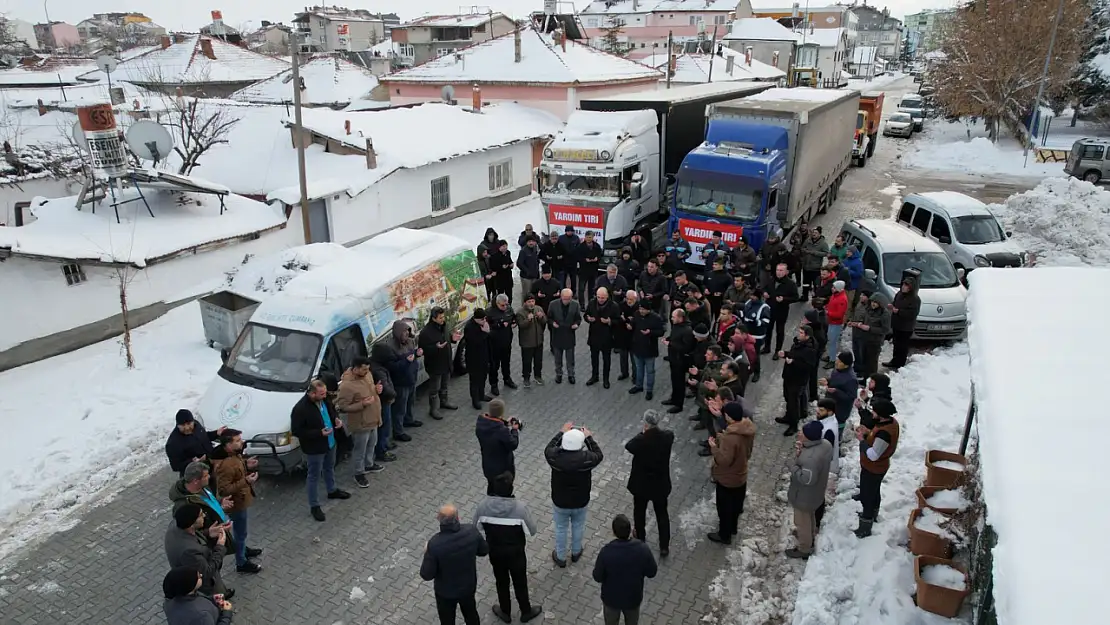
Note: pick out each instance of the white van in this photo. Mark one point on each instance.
(890, 250)
(323, 319)
(964, 228)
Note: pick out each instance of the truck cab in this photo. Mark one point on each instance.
(867, 127)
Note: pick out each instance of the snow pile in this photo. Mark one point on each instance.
(929, 520)
(947, 500)
(260, 278)
(105, 431)
(948, 465)
(960, 146)
(944, 576)
(849, 581)
(1064, 222)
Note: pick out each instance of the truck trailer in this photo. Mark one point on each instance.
(768, 162)
(867, 126)
(608, 169)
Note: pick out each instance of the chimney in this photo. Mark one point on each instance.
(748, 55)
(371, 155)
(794, 10)
(635, 5)
(730, 62)
(42, 108)
(266, 23)
(206, 48)
(476, 99)
(516, 46)
(165, 41)
(347, 126)
(775, 59)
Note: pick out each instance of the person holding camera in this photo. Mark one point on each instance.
(572, 453)
(498, 436)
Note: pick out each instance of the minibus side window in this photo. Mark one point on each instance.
(342, 350)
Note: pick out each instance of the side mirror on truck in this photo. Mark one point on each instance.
(536, 178)
(635, 190)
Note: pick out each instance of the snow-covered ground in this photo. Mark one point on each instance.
(964, 146)
(875, 84)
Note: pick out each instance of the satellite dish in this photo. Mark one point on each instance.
(79, 138)
(448, 93)
(106, 63)
(149, 140)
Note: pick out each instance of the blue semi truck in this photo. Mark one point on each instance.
(769, 161)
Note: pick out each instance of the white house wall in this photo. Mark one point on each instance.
(26, 191)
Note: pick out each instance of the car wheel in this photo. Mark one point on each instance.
(1092, 176)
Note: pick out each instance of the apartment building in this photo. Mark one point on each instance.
(877, 29)
(337, 29)
(799, 16)
(433, 36)
(930, 25)
(645, 24)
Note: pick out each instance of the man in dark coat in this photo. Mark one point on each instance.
(770, 255)
(485, 249)
(842, 387)
(629, 268)
(476, 337)
(621, 567)
(187, 544)
(603, 315)
(531, 323)
(568, 245)
(588, 255)
(652, 285)
(622, 331)
(650, 478)
(745, 262)
(801, 361)
(781, 293)
(528, 262)
(451, 562)
(903, 321)
(564, 315)
(546, 288)
(498, 437)
(436, 343)
(313, 421)
(717, 281)
(680, 354)
(189, 441)
(553, 255)
(646, 330)
(613, 282)
(502, 262)
(501, 320)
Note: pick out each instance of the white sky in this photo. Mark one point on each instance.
(191, 16)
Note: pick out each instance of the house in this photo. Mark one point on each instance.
(540, 70)
(271, 39)
(800, 15)
(865, 62)
(21, 30)
(433, 36)
(57, 36)
(198, 65)
(332, 29)
(822, 57)
(770, 42)
(930, 24)
(726, 66)
(645, 24)
(120, 31)
(326, 81)
(220, 30)
(878, 29)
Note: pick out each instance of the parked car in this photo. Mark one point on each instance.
(914, 105)
(894, 252)
(1088, 159)
(967, 231)
(898, 125)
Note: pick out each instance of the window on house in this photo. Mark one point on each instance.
(501, 175)
(441, 193)
(719, 19)
(73, 273)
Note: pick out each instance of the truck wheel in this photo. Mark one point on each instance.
(1092, 176)
(862, 162)
(871, 146)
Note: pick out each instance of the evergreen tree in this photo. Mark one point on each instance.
(613, 30)
(1090, 87)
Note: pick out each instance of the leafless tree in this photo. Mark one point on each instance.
(198, 128)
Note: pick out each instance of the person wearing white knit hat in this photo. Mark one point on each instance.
(572, 454)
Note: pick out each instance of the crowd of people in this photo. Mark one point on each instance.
(715, 325)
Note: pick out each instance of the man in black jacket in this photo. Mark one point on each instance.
(451, 562)
(189, 441)
(621, 567)
(546, 289)
(568, 247)
(613, 282)
(653, 285)
(650, 478)
(603, 314)
(903, 321)
(552, 255)
(505, 520)
(501, 261)
(680, 353)
(477, 341)
(485, 249)
(498, 438)
(801, 361)
(436, 343)
(588, 255)
(717, 281)
(314, 421)
(780, 294)
(646, 329)
(528, 262)
(572, 454)
(502, 320)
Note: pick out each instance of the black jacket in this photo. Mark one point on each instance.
(553, 255)
(680, 345)
(546, 291)
(498, 441)
(652, 288)
(651, 463)
(485, 248)
(181, 449)
(307, 424)
(785, 288)
(477, 346)
(717, 282)
(588, 256)
(437, 360)
(629, 269)
(568, 247)
(622, 334)
(804, 358)
(501, 324)
(451, 559)
(646, 345)
(601, 334)
(381, 374)
(616, 287)
(908, 305)
(528, 262)
(502, 263)
(621, 567)
(571, 472)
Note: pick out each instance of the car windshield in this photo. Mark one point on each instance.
(936, 270)
(978, 229)
(275, 354)
(910, 103)
(903, 118)
(718, 195)
(593, 184)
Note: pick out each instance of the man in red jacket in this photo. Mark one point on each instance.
(837, 312)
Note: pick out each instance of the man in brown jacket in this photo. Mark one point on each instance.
(876, 445)
(362, 409)
(235, 478)
(731, 450)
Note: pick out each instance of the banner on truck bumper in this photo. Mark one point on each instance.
(698, 233)
(580, 217)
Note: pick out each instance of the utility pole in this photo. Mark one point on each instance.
(1044, 76)
(302, 175)
(712, 53)
(670, 53)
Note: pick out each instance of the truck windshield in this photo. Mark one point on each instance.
(859, 120)
(594, 184)
(977, 229)
(936, 270)
(719, 195)
(274, 355)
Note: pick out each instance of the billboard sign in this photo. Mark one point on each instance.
(582, 218)
(698, 233)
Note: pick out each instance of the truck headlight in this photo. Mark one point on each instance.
(609, 253)
(605, 155)
(981, 261)
(277, 440)
(547, 153)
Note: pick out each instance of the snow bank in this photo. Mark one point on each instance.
(944, 576)
(104, 432)
(959, 146)
(1064, 221)
(947, 500)
(849, 581)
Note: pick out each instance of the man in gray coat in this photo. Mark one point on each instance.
(186, 546)
(564, 316)
(808, 480)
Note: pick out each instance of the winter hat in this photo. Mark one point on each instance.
(701, 331)
(184, 416)
(846, 358)
(186, 515)
(651, 417)
(644, 304)
(502, 485)
(827, 404)
(497, 408)
(530, 297)
(546, 270)
(813, 317)
(838, 285)
(480, 313)
(181, 581)
(813, 430)
(569, 228)
(573, 440)
(884, 408)
(737, 410)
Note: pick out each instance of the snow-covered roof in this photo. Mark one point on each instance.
(758, 29)
(343, 282)
(329, 81)
(694, 68)
(542, 62)
(446, 21)
(957, 204)
(48, 70)
(821, 37)
(1040, 509)
(800, 94)
(62, 231)
(772, 6)
(185, 63)
(625, 7)
(936, 55)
